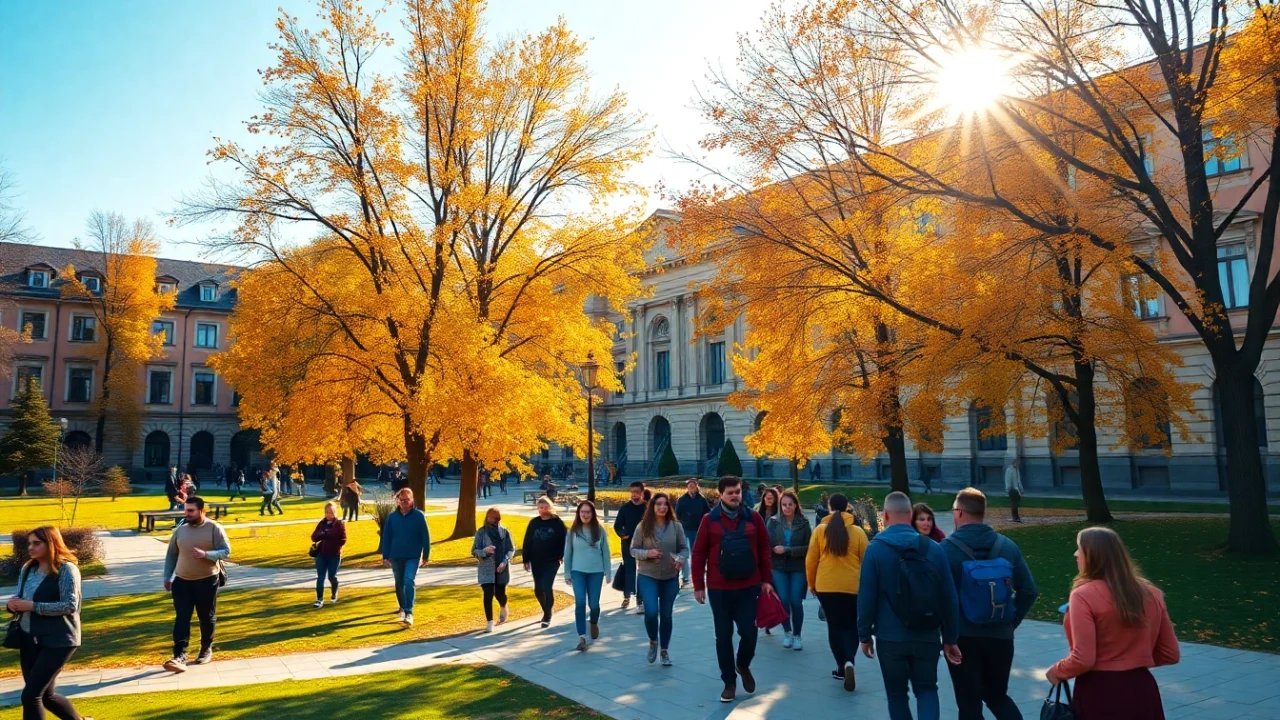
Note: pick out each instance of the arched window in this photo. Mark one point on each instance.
(77, 439)
(244, 446)
(202, 450)
(1063, 434)
(988, 428)
(619, 443)
(660, 436)
(712, 431)
(155, 451)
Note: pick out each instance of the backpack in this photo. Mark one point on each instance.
(985, 586)
(918, 600)
(737, 561)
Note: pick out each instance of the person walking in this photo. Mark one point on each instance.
(172, 488)
(193, 574)
(922, 519)
(349, 498)
(661, 549)
(731, 567)
(326, 547)
(405, 546)
(494, 549)
(907, 626)
(789, 534)
(236, 483)
(690, 509)
(625, 523)
(820, 509)
(300, 482)
(768, 503)
(1013, 486)
(1117, 627)
(47, 609)
(833, 565)
(586, 565)
(269, 485)
(543, 551)
(502, 485)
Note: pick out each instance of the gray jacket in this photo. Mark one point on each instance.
(671, 541)
(487, 571)
(793, 559)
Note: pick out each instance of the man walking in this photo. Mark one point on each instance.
(625, 524)
(269, 485)
(988, 614)
(906, 597)
(405, 546)
(192, 573)
(690, 509)
(171, 488)
(731, 567)
(1013, 486)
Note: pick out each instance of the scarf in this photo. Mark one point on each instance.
(495, 538)
(731, 514)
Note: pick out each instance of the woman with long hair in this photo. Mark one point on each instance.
(660, 549)
(586, 565)
(789, 534)
(494, 549)
(923, 521)
(47, 607)
(1117, 626)
(768, 503)
(328, 538)
(833, 566)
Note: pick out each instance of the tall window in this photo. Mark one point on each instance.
(991, 436)
(1142, 296)
(1148, 415)
(1065, 434)
(203, 392)
(84, 328)
(163, 328)
(1148, 161)
(1233, 275)
(206, 335)
(80, 385)
(662, 370)
(160, 387)
(1215, 166)
(715, 363)
(35, 323)
(618, 369)
(26, 375)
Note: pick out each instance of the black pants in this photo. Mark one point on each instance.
(544, 582)
(983, 677)
(1015, 498)
(731, 608)
(198, 595)
(492, 590)
(628, 571)
(350, 512)
(40, 668)
(842, 626)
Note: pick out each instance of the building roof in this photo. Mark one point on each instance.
(15, 258)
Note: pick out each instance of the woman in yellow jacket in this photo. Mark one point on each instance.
(833, 567)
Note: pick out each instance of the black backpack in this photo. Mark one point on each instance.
(918, 599)
(737, 561)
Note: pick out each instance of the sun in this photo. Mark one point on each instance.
(971, 80)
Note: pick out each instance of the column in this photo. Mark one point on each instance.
(678, 341)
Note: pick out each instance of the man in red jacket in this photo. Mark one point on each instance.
(731, 567)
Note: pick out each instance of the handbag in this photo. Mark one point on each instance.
(315, 549)
(14, 635)
(769, 610)
(1054, 708)
(619, 579)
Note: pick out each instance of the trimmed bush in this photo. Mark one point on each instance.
(667, 464)
(729, 462)
(83, 542)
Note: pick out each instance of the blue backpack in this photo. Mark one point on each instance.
(985, 586)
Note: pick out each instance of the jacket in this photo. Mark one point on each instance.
(880, 580)
(1012, 480)
(793, 559)
(55, 619)
(675, 551)
(1100, 642)
(828, 573)
(690, 510)
(979, 537)
(504, 550)
(582, 555)
(628, 519)
(706, 550)
(331, 536)
(543, 541)
(405, 536)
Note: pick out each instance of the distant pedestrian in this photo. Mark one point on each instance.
(349, 499)
(789, 534)
(47, 610)
(691, 507)
(625, 522)
(820, 509)
(1117, 626)
(300, 482)
(502, 485)
(193, 574)
(1013, 486)
(660, 548)
(269, 485)
(768, 503)
(494, 549)
(327, 541)
(399, 481)
(833, 565)
(217, 473)
(543, 551)
(586, 565)
(405, 546)
(172, 488)
(482, 482)
(286, 479)
(236, 484)
(923, 521)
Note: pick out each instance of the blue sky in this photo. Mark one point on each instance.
(113, 105)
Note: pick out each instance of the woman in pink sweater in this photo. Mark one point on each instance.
(1117, 626)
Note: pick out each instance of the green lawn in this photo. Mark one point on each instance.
(130, 630)
(431, 693)
(1213, 597)
(29, 512)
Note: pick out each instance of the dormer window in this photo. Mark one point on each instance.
(208, 293)
(164, 288)
(92, 283)
(38, 279)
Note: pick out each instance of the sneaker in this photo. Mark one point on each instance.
(334, 599)
(768, 631)
(788, 641)
(545, 624)
(176, 664)
(582, 644)
(748, 680)
(837, 674)
(502, 615)
(797, 645)
(666, 659)
(402, 616)
(653, 652)
(822, 614)
(595, 631)
(488, 627)
(205, 657)
(639, 609)
(850, 680)
(408, 619)
(626, 603)
(730, 692)
(318, 604)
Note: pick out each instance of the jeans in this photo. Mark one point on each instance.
(730, 608)
(628, 570)
(201, 596)
(272, 503)
(687, 570)
(405, 572)
(492, 590)
(842, 625)
(586, 591)
(236, 489)
(544, 582)
(351, 512)
(791, 588)
(659, 598)
(1015, 498)
(327, 565)
(916, 662)
(40, 668)
(983, 677)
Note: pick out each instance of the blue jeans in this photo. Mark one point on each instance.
(327, 565)
(659, 598)
(405, 572)
(628, 571)
(791, 588)
(586, 590)
(916, 662)
(687, 570)
(730, 608)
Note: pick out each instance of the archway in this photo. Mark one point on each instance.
(711, 432)
(155, 450)
(764, 464)
(619, 443)
(659, 436)
(244, 446)
(202, 450)
(77, 439)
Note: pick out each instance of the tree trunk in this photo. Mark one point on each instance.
(330, 480)
(416, 449)
(1250, 530)
(896, 446)
(1095, 499)
(23, 478)
(464, 526)
(348, 466)
(100, 436)
(795, 476)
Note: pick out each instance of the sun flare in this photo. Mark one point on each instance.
(970, 80)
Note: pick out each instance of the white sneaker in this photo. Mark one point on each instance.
(318, 604)
(408, 619)
(333, 600)
(787, 641)
(402, 616)
(488, 627)
(797, 645)
(502, 615)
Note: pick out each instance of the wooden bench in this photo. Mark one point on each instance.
(531, 496)
(148, 518)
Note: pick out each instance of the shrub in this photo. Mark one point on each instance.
(115, 483)
(729, 462)
(83, 542)
(667, 464)
(865, 515)
(381, 507)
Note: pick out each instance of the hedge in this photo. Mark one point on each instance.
(83, 542)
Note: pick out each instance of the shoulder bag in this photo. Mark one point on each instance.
(14, 635)
(1054, 708)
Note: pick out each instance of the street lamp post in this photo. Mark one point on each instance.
(589, 369)
(62, 431)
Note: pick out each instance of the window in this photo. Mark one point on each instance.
(235, 399)
(25, 375)
(1065, 436)
(160, 387)
(164, 288)
(83, 328)
(991, 437)
(1142, 297)
(208, 293)
(662, 370)
(618, 369)
(1233, 275)
(165, 328)
(35, 323)
(715, 363)
(566, 453)
(1213, 165)
(203, 393)
(92, 283)
(79, 385)
(206, 335)
(38, 279)
(1148, 415)
(1148, 160)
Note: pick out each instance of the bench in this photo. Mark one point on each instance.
(148, 518)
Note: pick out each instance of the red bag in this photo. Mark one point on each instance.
(769, 610)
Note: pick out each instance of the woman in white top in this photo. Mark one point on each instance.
(586, 564)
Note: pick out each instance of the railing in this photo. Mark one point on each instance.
(652, 470)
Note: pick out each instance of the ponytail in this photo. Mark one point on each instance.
(837, 535)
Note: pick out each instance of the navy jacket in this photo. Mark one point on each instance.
(880, 580)
(980, 538)
(689, 511)
(405, 536)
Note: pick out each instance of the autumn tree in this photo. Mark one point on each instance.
(123, 305)
(31, 441)
(13, 226)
